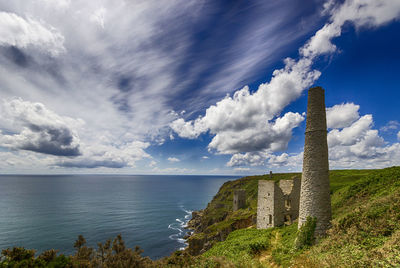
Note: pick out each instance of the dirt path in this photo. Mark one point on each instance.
(266, 256)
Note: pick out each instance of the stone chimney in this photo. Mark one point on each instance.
(315, 200)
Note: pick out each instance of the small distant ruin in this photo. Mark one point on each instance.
(278, 202)
(285, 201)
(239, 199)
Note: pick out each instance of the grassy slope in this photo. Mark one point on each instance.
(365, 232)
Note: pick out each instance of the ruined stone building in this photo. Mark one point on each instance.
(239, 199)
(278, 202)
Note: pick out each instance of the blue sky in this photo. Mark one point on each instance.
(195, 87)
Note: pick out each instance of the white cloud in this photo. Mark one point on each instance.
(390, 126)
(362, 13)
(398, 135)
(110, 156)
(59, 4)
(241, 169)
(252, 159)
(342, 115)
(249, 122)
(350, 135)
(98, 16)
(205, 157)
(360, 146)
(173, 159)
(352, 144)
(31, 126)
(20, 32)
(172, 170)
(295, 161)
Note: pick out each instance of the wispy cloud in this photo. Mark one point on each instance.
(390, 126)
(173, 159)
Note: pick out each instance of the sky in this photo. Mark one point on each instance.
(195, 86)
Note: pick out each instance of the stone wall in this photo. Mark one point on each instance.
(279, 206)
(291, 196)
(239, 199)
(265, 204)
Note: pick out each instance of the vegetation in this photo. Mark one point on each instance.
(305, 235)
(365, 232)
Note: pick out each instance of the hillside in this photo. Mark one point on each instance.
(365, 232)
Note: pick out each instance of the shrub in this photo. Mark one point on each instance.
(305, 235)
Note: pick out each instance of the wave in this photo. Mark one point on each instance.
(179, 226)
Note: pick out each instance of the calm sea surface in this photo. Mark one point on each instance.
(43, 212)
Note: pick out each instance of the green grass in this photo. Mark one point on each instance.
(242, 245)
(365, 232)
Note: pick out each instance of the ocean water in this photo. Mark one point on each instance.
(43, 212)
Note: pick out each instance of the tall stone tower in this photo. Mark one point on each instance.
(315, 200)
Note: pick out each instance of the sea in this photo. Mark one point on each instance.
(49, 211)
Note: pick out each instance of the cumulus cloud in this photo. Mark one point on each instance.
(247, 122)
(398, 135)
(360, 146)
(350, 135)
(294, 161)
(173, 159)
(19, 32)
(352, 144)
(31, 126)
(342, 115)
(252, 159)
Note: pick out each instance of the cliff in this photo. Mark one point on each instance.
(215, 222)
